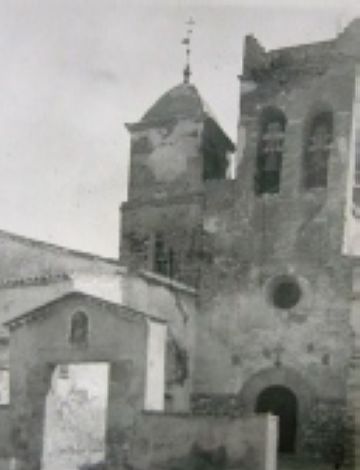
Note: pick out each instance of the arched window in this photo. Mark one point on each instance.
(270, 152)
(79, 332)
(317, 150)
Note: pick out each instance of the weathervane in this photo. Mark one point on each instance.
(187, 42)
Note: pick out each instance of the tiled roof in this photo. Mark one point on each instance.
(26, 261)
(181, 101)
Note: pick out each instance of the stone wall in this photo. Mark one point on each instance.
(178, 219)
(324, 437)
(183, 442)
(217, 405)
(322, 434)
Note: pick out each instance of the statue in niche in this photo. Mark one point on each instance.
(79, 329)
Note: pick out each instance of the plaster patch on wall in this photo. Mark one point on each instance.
(170, 155)
(212, 224)
(76, 410)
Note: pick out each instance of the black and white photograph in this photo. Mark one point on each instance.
(180, 235)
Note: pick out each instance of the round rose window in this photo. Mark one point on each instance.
(286, 293)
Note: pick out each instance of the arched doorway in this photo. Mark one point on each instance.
(282, 402)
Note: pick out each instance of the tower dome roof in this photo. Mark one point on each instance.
(181, 101)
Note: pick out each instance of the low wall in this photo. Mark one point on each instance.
(185, 442)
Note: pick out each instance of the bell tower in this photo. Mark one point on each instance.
(176, 147)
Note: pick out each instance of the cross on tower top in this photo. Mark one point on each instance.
(187, 43)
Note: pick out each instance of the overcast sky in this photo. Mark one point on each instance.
(74, 71)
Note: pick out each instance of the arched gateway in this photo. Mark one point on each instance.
(284, 393)
(281, 402)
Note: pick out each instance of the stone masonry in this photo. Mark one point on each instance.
(265, 249)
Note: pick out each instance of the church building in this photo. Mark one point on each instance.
(267, 250)
(253, 271)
